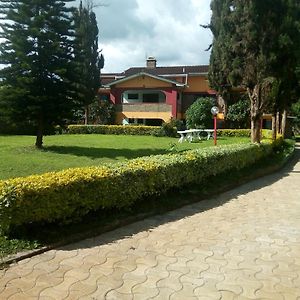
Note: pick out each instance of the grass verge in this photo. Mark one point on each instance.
(20, 158)
(37, 236)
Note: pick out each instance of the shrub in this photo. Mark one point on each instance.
(61, 196)
(266, 133)
(111, 129)
(167, 129)
(199, 115)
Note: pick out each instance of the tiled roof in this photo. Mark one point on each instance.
(167, 70)
(107, 78)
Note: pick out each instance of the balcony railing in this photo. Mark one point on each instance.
(144, 107)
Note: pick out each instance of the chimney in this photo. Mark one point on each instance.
(151, 62)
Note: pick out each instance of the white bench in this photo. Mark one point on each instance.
(191, 134)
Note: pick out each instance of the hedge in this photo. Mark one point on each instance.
(112, 129)
(72, 193)
(152, 130)
(266, 133)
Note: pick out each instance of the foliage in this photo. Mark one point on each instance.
(250, 40)
(168, 128)
(88, 59)
(266, 133)
(37, 56)
(295, 110)
(62, 196)
(239, 113)
(102, 112)
(111, 129)
(198, 115)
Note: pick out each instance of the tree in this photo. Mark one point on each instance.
(199, 114)
(37, 54)
(89, 60)
(221, 50)
(102, 112)
(295, 110)
(239, 113)
(286, 73)
(247, 34)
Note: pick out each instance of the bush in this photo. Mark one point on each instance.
(168, 129)
(112, 129)
(70, 194)
(199, 114)
(234, 132)
(266, 133)
(295, 110)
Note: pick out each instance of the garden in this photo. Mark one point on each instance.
(80, 184)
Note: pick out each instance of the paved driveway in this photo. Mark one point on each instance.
(243, 244)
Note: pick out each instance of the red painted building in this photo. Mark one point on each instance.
(151, 94)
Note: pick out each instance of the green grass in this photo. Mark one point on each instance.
(37, 235)
(20, 158)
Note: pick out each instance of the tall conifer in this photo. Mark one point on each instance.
(89, 59)
(37, 55)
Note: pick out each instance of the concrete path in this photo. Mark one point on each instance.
(244, 244)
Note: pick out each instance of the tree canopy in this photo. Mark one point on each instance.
(89, 60)
(37, 53)
(252, 41)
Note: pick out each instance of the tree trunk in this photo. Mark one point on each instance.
(86, 114)
(283, 124)
(39, 135)
(256, 113)
(278, 123)
(274, 131)
(255, 130)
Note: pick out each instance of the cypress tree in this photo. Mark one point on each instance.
(89, 60)
(37, 55)
(246, 51)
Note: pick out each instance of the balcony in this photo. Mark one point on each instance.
(144, 107)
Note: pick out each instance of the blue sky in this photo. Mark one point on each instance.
(169, 30)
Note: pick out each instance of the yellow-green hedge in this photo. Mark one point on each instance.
(151, 130)
(112, 129)
(61, 196)
(266, 133)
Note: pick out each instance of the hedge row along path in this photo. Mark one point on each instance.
(243, 244)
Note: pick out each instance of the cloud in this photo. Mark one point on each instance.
(130, 30)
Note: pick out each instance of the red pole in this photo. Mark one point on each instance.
(215, 130)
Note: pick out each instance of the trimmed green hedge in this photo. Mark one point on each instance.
(266, 133)
(72, 193)
(112, 129)
(153, 130)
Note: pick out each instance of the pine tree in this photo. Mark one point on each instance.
(37, 54)
(246, 52)
(89, 60)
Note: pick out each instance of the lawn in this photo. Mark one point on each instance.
(20, 158)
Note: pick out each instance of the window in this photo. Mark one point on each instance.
(133, 96)
(151, 98)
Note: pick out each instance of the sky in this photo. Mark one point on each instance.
(169, 30)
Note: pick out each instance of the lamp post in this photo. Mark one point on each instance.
(215, 110)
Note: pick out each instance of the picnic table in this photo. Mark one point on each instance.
(191, 134)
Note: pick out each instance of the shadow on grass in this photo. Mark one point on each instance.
(95, 153)
(155, 211)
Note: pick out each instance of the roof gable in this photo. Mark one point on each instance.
(143, 75)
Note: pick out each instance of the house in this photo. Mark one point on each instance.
(151, 95)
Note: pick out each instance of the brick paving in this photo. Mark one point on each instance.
(243, 244)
